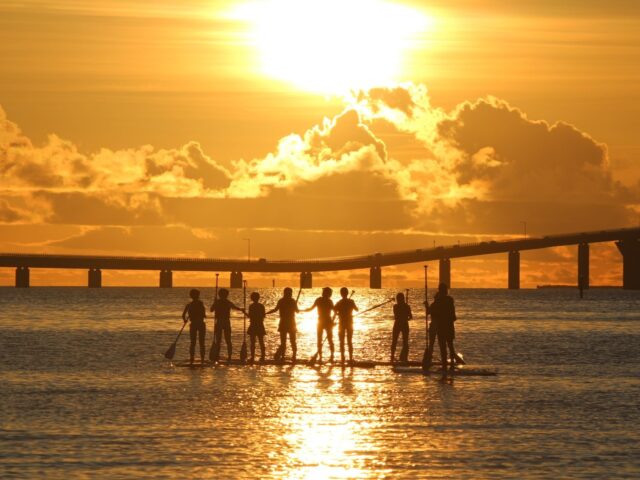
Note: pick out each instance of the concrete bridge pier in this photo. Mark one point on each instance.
(166, 279)
(235, 281)
(445, 271)
(95, 278)
(630, 250)
(306, 280)
(22, 277)
(514, 270)
(583, 266)
(375, 277)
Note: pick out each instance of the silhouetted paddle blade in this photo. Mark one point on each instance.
(171, 351)
(243, 352)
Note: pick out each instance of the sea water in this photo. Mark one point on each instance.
(85, 391)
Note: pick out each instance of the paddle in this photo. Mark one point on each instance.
(169, 354)
(313, 359)
(213, 351)
(426, 356)
(243, 349)
(374, 307)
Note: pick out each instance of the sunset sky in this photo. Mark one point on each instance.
(318, 128)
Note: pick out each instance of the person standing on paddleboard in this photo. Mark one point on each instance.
(256, 326)
(287, 306)
(195, 313)
(402, 315)
(324, 304)
(222, 307)
(344, 309)
(443, 316)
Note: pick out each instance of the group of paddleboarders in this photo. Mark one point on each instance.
(442, 312)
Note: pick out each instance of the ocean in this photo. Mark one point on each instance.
(85, 391)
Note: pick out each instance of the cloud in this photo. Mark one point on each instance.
(389, 161)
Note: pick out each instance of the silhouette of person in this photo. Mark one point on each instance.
(256, 326)
(222, 307)
(195, 313)
(287, 307)
(344, 309)
(402, 315)
(324, 304)
(443, 316)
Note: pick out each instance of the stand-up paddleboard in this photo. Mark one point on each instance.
(466, 370)
(301, 362)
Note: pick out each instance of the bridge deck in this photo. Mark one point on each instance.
(312, 265)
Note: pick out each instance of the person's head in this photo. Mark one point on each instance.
(255, 296)
(400, 298)
(288, 293)
(223, 293)
(443, 288)
(194, 294)
(344, 291)
(327, 292)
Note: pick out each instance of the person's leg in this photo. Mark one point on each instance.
(442, 343)
(341, 332)
(433, 333)
(350, 341)
(202, 332)
(262, 349)
(192, 346)
(252, 341)
(283, 344)
(319, 331)
(294, 345)
(404, 354)
(330, 340)
(227, 339)
(394, 341)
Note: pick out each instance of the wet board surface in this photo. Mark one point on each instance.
(304, 363)
(469, 371)
(301, 362)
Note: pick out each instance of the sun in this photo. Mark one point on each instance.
(333, 46)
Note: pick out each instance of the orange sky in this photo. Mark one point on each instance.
(317, 129)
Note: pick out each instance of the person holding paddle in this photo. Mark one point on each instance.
(288, 307)
(443, 316)
(324, 304)
(344, 309)
(256, 326)
(222, 307)
(195, 313)
(402, 315)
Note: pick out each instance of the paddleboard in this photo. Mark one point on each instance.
(468, 371)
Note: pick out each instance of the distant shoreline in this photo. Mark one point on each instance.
(576, 287)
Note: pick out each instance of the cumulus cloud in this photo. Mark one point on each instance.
(390, 160)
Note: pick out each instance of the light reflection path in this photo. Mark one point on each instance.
(327, 426)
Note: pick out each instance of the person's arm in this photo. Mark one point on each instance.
(213, 306)
(233, 307)
(453, 311)
(315, 304)
(275, 309)
(409, 314)
(355, 307)
(184, 313)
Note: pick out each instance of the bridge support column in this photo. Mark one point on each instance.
(306, 280)
(514, 270)
(630, 250)
(95, 278)
(583, 266)
(445, 272)
(22, 277)
(166, 279)
(235, 281)
(375, 277)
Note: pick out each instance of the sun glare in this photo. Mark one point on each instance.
(332, 46)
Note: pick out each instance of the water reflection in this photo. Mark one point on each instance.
(324, 429)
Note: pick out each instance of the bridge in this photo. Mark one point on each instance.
(627, 241)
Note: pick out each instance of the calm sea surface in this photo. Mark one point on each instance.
(85, 392)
